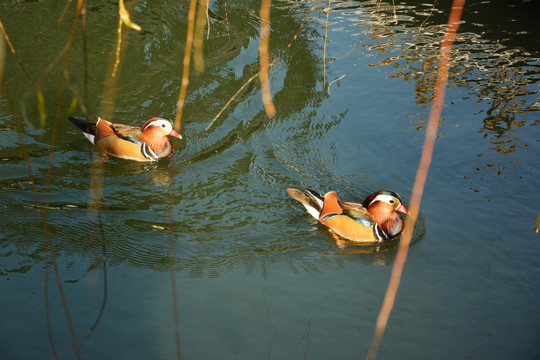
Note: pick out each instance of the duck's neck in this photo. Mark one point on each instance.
(158, 142)
(388, 220)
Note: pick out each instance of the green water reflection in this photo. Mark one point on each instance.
(256, 276)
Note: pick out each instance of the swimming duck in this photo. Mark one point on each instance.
(373, 221)
(147, 143)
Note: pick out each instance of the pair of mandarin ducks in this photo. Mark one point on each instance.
(373, 221)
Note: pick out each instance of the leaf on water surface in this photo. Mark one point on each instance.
(41, 108)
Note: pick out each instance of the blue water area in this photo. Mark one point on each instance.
(203, 255)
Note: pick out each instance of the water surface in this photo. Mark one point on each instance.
(255, 276)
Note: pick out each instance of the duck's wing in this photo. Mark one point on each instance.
(128, 132)
(357, 211)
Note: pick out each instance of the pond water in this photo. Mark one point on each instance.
(116, 254)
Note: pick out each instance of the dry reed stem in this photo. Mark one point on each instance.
(352, 67)
(13, 51)
(430, 13)
(177, 123)
(421, 175)
(105, 111)
(231, 99)
(49, 176)
(97, 164)
(187, 60)
(172, 256)
(43, 44)
(85, 62)
(2, 63)
(200, 23)
(270, 65)
(325, 41)
(41, 211)
(60, 55)
(47, 243)
(263, 58)
(227, 20)
(123, 18)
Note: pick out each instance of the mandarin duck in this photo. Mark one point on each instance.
(373, 221)
(148, 143)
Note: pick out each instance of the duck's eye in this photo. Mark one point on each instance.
(163, 126)
(391, 201)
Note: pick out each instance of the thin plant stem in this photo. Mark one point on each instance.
(198, 40)
(85, 61)
(263, 58)
(123, 18)
(270, 65)
(48, 181)
(421, 175)
(231, 99)
(186, 62)
(325, 41)
(227, 21)
(177, 123)
(13, 50)
(430, 13)
(172, 256)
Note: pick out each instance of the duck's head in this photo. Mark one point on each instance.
(164, 126)
(385, 200)
(382, 207)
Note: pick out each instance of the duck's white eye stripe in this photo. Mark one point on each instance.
(386, 198)
(161, 123)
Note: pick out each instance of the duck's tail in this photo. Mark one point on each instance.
(312, 201)
(88, 129)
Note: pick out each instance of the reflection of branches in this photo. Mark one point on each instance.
(501, 78)
(124, 18)
(202, 16)
(430, 13)
(421, 175)
(199, 65)
(47, 242)
(353, 66)
(325, 41)
(269, 66)
(13, 51)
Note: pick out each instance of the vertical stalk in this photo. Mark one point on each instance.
(421, 175)
(187, 60)
(263, 58)
(198, 58)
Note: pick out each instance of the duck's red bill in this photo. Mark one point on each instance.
(175, 134)
(402, 209)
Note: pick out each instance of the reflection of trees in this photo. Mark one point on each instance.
(504, 80)
(496, 75)
(155, 53)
